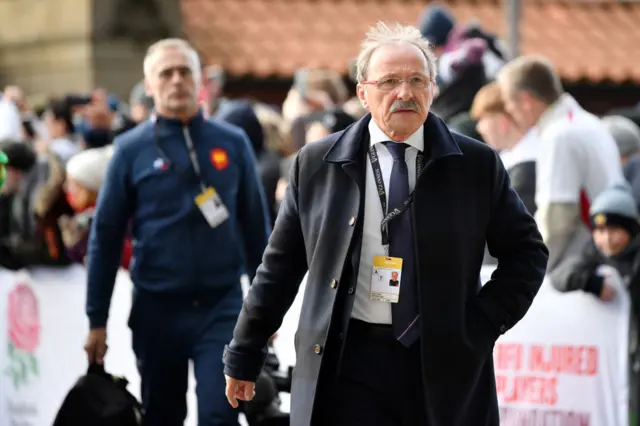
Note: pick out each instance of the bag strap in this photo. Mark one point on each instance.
(98, 370)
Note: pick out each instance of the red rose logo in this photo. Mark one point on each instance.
(24, 319)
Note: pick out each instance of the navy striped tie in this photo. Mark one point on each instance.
(405, 314)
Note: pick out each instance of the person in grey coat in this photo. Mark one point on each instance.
(369, 353)
(627, 136)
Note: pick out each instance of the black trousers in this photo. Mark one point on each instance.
(170, 330)
(379, 382)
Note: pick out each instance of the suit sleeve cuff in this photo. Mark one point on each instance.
(242, 366)
(97, 321)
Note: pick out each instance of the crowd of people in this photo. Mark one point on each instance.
(182, 186)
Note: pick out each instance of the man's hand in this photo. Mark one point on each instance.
(608, 292)
(239, 389)
(96, 346)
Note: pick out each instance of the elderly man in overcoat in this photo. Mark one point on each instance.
(395, 192)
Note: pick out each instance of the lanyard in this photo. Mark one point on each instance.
(193, 157)
(382, 193)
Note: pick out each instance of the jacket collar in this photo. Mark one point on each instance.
(438, 141)
(164, 121)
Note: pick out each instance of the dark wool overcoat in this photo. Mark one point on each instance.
(462, 200)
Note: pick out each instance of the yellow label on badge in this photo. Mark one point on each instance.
(205, 196)
(387, 262)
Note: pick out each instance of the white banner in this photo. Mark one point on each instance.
(564, 364)
(42, 332)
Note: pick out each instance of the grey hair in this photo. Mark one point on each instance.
(383, 34)
(173, 43)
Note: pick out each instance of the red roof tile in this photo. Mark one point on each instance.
(596, 40)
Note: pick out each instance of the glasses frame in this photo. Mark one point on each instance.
(407, 80)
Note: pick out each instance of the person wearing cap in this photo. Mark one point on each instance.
(188, 189)
(615, 222)
(615, 242)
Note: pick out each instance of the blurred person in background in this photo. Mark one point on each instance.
(30, 205)
(32, 126)
(271, 122)
(319, 126)
(189, 189)
(10, 122)
(322, 125)
(61, 141)
(140, 103)
(241, 113)
(313, 91)
(16, 95)
(210, 94)
(468, 58)
(615, 242)
(356, 349)
(518, 147)
(577, 159)
(626, 133)
(354, 108)
(98, 117)
(85, 175)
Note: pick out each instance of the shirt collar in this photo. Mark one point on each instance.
(562, 106)
(376, 135)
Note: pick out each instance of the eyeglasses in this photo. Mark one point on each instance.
(392, 83)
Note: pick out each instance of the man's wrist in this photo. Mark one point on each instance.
(96, 321)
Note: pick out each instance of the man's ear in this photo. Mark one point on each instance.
(147, 88)
(362, 95)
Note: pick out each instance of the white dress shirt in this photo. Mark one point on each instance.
(364, 308)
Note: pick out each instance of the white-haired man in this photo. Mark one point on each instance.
(188, 189)
(397, 193)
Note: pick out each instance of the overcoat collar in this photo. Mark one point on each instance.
(438, 141)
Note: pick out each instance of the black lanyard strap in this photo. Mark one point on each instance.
(382, 193)
(193, 156)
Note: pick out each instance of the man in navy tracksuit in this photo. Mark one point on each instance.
(188, 190)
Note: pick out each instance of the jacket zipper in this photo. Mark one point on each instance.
(194, 272)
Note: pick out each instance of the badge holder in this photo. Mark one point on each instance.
(386, 278)
(212, 207)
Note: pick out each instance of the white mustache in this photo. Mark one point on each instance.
(411, 105)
